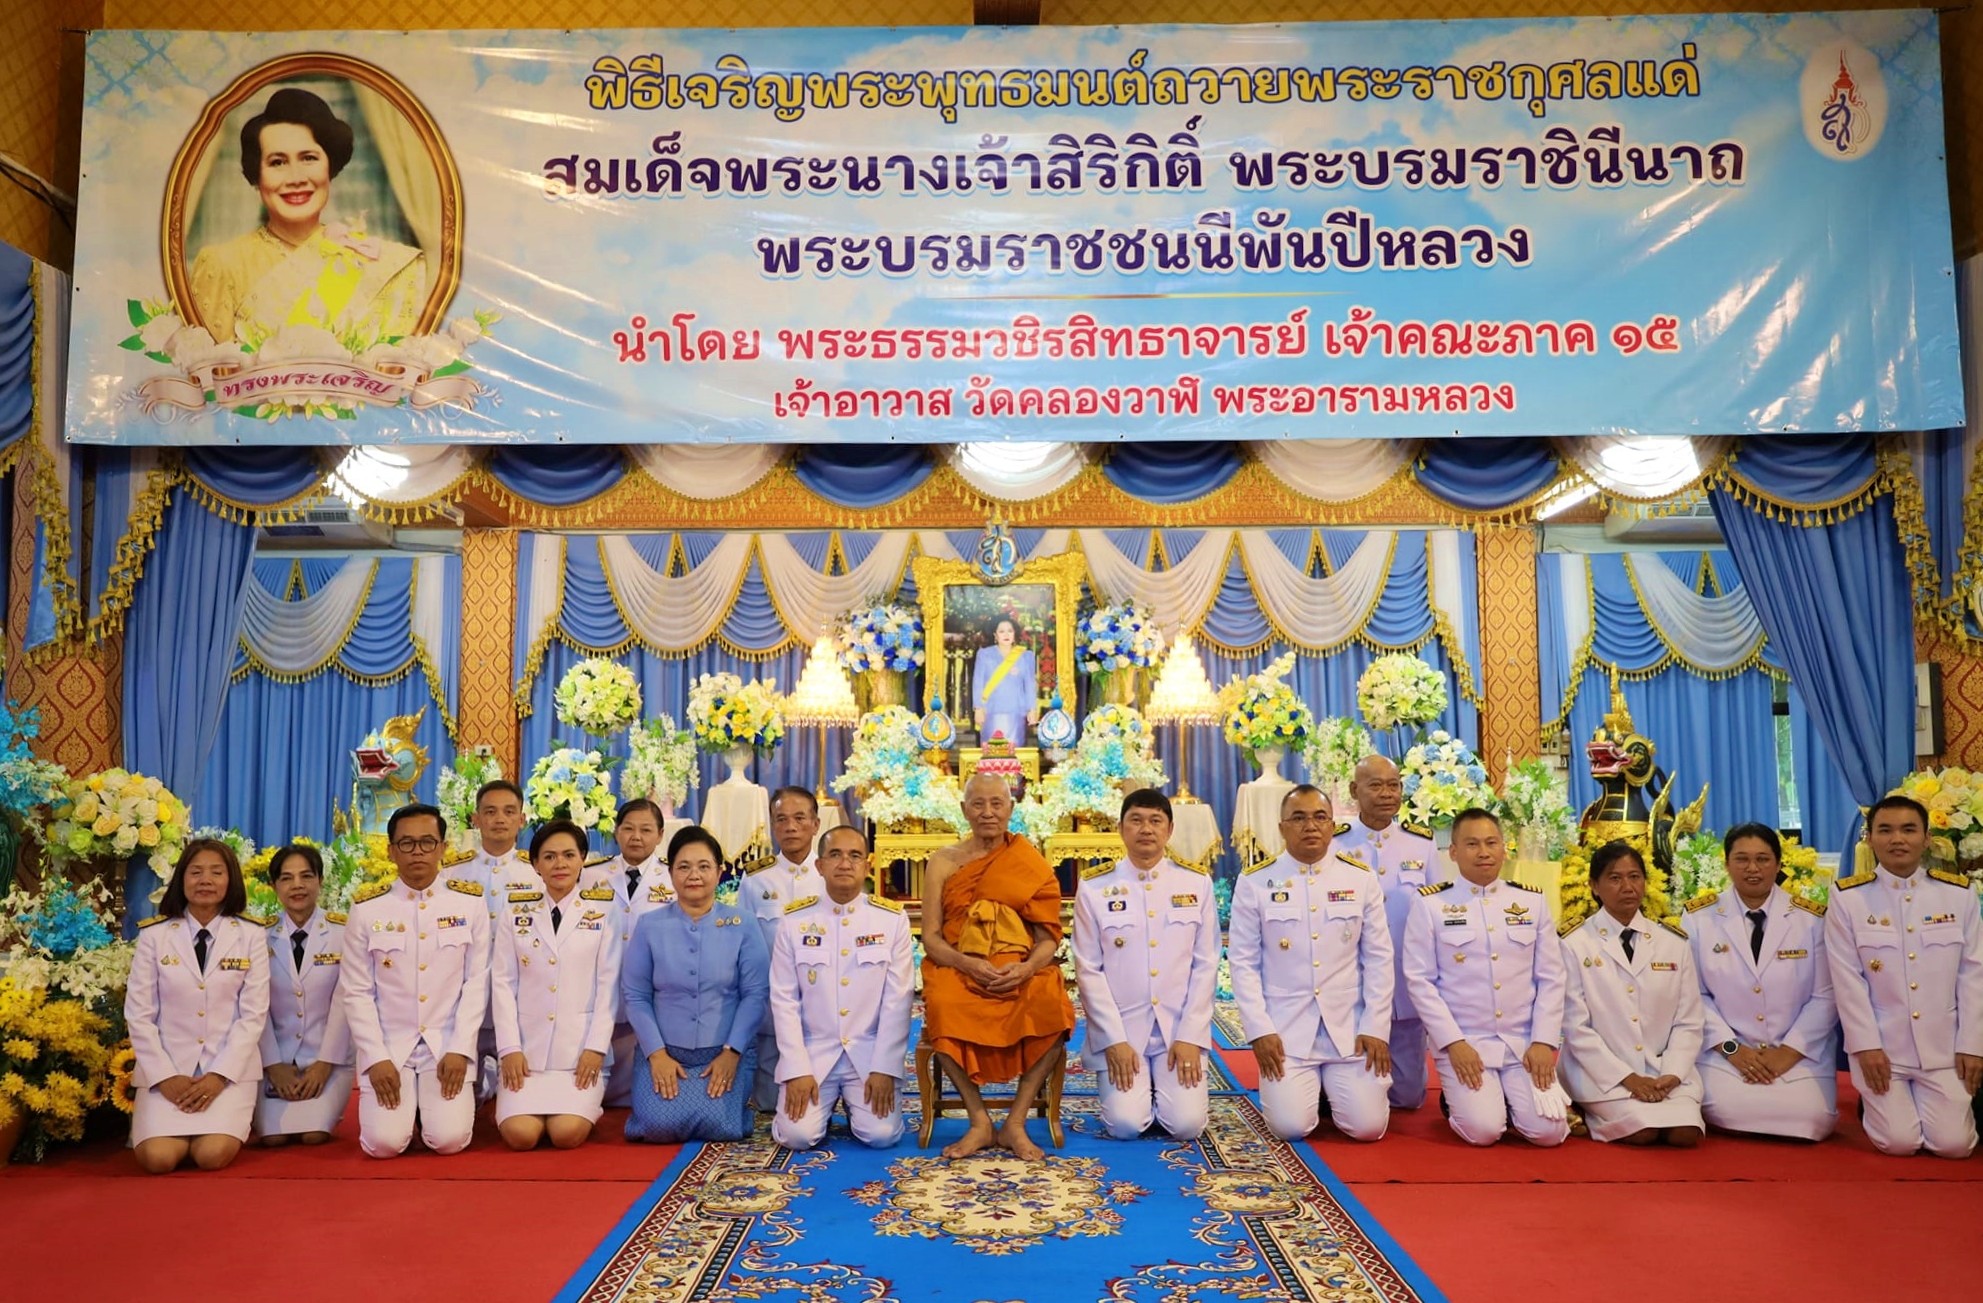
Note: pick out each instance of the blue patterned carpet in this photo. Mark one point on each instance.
(1236, 1214)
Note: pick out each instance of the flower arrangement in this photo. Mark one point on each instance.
(54, 1064)
(1442, 777)
(351, 860)
(660, 763)
(726, 712)
(880, 636)
(886, 768)
(1537, 803)
(1118, 637)
(1261, 711)
(1400, 691)
(1954, 797)
(598, 696)
(63, 938)
(116, 814)
(571, 784)
(26, 783)
(1335, 748)
(459, 783)
(1117, 721)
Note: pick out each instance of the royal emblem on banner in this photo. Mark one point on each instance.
(996, 559)
(1844, 101)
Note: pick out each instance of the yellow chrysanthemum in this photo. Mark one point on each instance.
(19, 1047)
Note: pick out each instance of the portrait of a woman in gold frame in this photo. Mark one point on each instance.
(430, 274)
(935, 580)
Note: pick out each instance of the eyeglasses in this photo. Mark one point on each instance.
(417, 845)
(1305, 820)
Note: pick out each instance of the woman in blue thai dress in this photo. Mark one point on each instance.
(1006, 696)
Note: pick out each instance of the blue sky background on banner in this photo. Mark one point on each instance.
(1817, 295)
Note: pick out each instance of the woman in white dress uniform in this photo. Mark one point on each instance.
(306, 1047)
(555, 991)
(196, 1002)
(1632, 1015)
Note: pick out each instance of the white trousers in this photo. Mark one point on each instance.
(1156, 1096)
(446, 1125)
(1481, 1117)
(1796, 1107)
(1359, 1100)
(843, 1083)
(1924, 1108)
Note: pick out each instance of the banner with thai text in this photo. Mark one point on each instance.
(1704, 224)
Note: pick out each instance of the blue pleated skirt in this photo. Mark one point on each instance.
(692, 1114)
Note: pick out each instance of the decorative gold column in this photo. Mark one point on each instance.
(488, 640)
(1511, 719)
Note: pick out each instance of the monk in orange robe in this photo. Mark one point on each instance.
(995, 1003)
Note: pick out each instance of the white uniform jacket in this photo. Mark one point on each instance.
(766, 891)
(556, 991)
(1311, 956)
(416, 969)
(1785, 998)
(498, 874)
(1906, 957)
(654, 890)
(841, 984)
(1146, 955)
(1485, 966)
(1622, 1017)
(306, 1018)
(1403, 863)
(184, 1022)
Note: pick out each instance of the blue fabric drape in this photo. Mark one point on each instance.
(1485, 474)
(255, 475)
(862, 475)
(1721, 732)
(558, 476)
(1171, 472)
(1836, 604)
(1943, 487)
(178, 647)
(1813, 468)
(1829, 812)
(17, 327)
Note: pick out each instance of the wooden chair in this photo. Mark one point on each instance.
(938, 1097)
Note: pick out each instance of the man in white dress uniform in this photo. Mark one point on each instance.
(639, 878)
(767, 891)
(1312, 972)
(1905, 946)
(1146, 956)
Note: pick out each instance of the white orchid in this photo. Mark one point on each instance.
(159, 331)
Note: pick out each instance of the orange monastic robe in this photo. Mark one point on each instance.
(986, 904)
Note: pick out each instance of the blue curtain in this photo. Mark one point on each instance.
(1483, 474)
(1171, 472)
(1721, 732)
(1837, 606)
(16, 344)
(862, 475)
(1828, 808)
(178, 648)
(559, 475)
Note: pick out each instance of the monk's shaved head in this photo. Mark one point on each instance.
(989, 781)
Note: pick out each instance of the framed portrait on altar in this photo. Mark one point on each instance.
(999, 650)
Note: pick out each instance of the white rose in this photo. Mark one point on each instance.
(465, 330)
(433, 351)
(192, 345)
(296, 343)
(160, 329)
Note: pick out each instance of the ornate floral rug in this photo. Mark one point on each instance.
(1226, 1027)
(1080, 1080)
(1236, 1214)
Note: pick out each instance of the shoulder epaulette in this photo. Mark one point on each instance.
(754, 871)
(1351, 860)
(256, 920)
(1434, 888)
(1949, 876)
(883, 902)
(596, 858)
(1416, 829)
(525, 897)
(1567, 926)
(372, 892)
(596, 893)
(147, 922)
(1808, 906)
(1255, 868)
(1342, 828)
(455, 857)
(1522, 886)
(1097, 871)
(1194, 868)
(523, 855)
(464, 886)
(800, 904)
(1673, 927)
(1701, 901)
(333, 916)
(1854, 880)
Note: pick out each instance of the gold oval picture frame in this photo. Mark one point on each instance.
(196, 150)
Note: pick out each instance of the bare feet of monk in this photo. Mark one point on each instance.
(1012, 1135)
(980, 1136)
